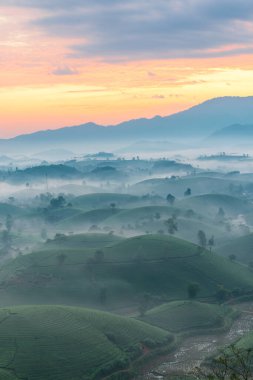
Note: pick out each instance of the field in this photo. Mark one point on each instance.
(239, 249)
(190, 317)
(58, 343)
(103, 271)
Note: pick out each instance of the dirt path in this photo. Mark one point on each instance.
(194, 350)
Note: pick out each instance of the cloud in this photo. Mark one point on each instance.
(64, 70)
(126, 29)
(158, 97)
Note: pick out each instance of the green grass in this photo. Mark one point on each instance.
(82, 241)
(189, 316)
(90, 217)
(241, 248)
(199, 185)
(8, 209)
(62, 214)
(246, 341)
(139, 214)
(100, 200)
(160, 265)
(58, 342)
(209, 204)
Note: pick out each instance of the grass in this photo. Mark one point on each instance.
(189, 316)
(140, 213)
(8, 209)
(83, 241)
(90, 217)
(58, 342)
(209, 204)
(241, 248)
(71, 273)
(199, 185)
(100, 200)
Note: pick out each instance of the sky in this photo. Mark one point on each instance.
(67, 62)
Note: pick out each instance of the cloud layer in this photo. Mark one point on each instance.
(130, 29)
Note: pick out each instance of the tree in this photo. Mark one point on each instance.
(9, 223)
(103, 295)
(58, 202)
(188, 192)
(202, 239)
(172, 225)
(222, 294)
(157, 216)
(192, 290)
(232, 257)
(144, 304)
(211, 243)
(170, 199)
(233, 363)
(221, 213)
(6, 240)
(99, 256)
(61, 258)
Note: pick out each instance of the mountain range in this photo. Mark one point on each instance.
(214, 120)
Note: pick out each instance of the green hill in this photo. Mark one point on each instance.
(209, 204)
(101, 200)
(62, 214)
(90, 217)
(58, 343)
(82, 241)
(241, 248)
(8, 209)
(177, 186)
(118, 274)
(140, 213)
(189, 316)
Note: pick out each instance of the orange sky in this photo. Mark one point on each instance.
(43, 86)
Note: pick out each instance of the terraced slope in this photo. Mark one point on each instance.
(190, 316)
(100, 200)
(241, 248)
(58, 343)
(118, 274)
(199, 185)
(89, 217)
(82, 241)
(209, 204)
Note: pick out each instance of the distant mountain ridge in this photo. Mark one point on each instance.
(235, 131)
(198, 122)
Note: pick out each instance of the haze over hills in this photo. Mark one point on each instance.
(198, 122)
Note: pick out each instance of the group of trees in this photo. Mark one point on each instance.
(232, 363)
(7, 234)
(171, 198)
(204, 242)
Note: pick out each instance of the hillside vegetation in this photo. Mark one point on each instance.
(118, 273)
(58, 343)
(190, 316)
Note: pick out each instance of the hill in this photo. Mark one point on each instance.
(42, 173)
(82, 241)
(233, 134)
(58, 343)
(177, 186)
(241, 248)
(209, 204)
(196, 122)
(189, 316)
(8, 209)
(101, 200)
(117, 275)
(88, 218)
